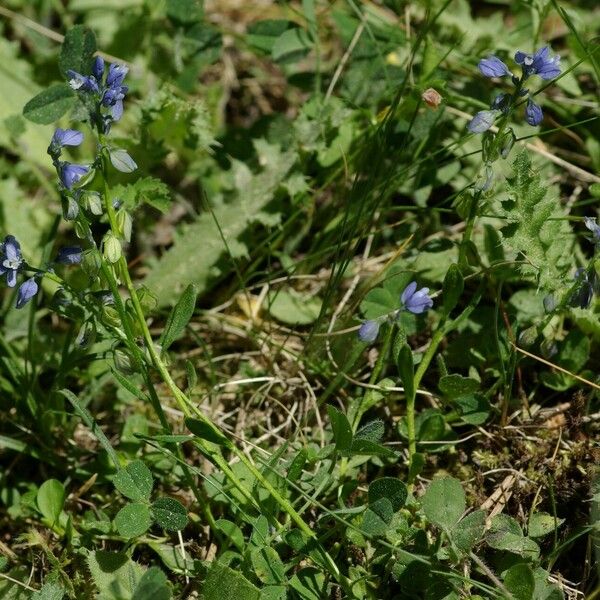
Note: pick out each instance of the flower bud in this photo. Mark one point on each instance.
(125, 224)
(92, 202)
(90, 262)
(86, 336)
(70, 209)
(112, 250)
(528, 336)
(111, 317)
(123, 362)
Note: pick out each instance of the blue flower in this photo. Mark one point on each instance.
(590, 223)
(69, 255)
(67, 137)
(27, 290)
(82, 83)
(533, 113)
(415, 301)
(482, 121)
(368, 331)
(11, 259)
(98, 68)
(540, 63)
(492, 66)
(116, 74)
(71, 173)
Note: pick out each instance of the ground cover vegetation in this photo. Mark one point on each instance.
(299, 299)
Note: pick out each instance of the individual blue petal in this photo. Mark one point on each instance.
(415, 301)
(482, 121)
(71, 173)
(11, 277)
(27, 290)
(116, 74)
(117, 110)
(11, 248)
(492, 66)
(98, 68)
(69, 255)
(409, 290)
(368, 331)
(533, 113)
(67, 137)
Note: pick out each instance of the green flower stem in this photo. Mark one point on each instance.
(438, 336)
(187, 407)
(383, 354)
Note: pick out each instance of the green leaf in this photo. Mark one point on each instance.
(372, 431)
(173, 558)
(474, 408)
(224, 583)
(51, 499)
(293, 308)
(455, 385)
(153, 586)
(179, 317)
(50, 105)
(377, 517)
(391, 488)
(452, 288)
(184, 11)
(361, 447)
(207, 431)
(519, 581)
(87, 418)
(406, 370)
(267, 565)
(232, 532)
(536, 227)
(114, 573)
(541, 524)
(148, 190)
(77, 50)
(309, 583)
(444, 502)
(195, 255)
(134, 481)
(262, 35)
(170, 514)
(291, 46)
(133, 520)
(50, 591)
(468, 531)
(506, 534)
(342, 432)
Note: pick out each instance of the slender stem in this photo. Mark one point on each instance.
(438, 336)
(383, 354)
(187, 407)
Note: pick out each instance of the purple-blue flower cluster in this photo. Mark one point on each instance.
(541, 63)
(12, 263)
(411, 300)
(103, 93)
(108, 92)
